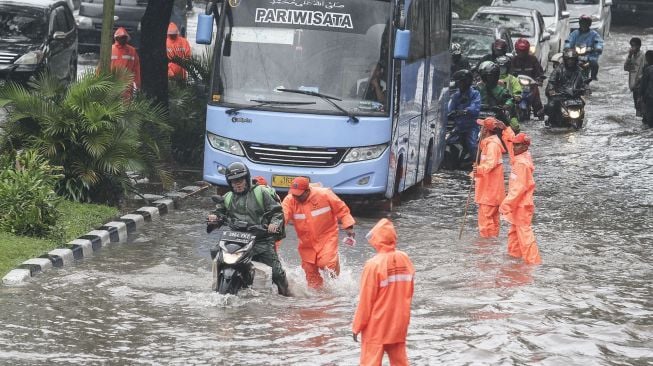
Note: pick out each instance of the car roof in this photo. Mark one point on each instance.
(33, 3)
(480, 26)
(508, 10)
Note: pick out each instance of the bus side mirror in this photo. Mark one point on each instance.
(204, 34)
(402, 44)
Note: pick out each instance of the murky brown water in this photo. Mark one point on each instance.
(148, 302)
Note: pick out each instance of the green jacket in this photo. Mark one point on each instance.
(499, 96)
(512, 84)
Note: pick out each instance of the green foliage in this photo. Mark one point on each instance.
(27, 197)
(90, 130)
(187, 104)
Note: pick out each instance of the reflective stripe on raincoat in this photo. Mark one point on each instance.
(126, 57)
(386, 290)
(518, 205)
(316, 222)
(178, 47)
(490, 188)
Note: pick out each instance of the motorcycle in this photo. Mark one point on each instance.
(525, 104)
(583, 59)
(572, 110)
(233, 268)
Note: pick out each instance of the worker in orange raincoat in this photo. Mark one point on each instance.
(125, 56)
(517, 208)
(386, 291)
(177, 47)
(315, 211)
(488, 175)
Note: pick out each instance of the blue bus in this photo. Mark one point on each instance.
(349, 93)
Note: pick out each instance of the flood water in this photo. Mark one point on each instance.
(148, 301)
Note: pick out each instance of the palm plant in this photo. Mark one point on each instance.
(89, 129)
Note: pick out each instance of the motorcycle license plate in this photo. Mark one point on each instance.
(237, 237)
(282, 181)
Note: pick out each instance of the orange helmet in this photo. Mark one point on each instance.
(121, 32)
(522, 44)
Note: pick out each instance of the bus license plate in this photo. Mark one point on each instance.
(283, 181)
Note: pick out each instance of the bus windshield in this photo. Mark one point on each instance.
(337, 48)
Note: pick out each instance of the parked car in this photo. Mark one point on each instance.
(632, 11)
(37, 35)
(523, 23)
(128, 14)
(476, 38)
(599, 10)
(556, 18)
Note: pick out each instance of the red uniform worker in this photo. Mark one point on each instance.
(518, 206)
(125, 56)
(488, 175)
(386, 292)
(315, 212)
(176, 47)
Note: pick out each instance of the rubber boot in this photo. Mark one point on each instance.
(284, 289)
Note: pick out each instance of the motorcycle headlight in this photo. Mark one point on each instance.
(225, 144)
(30, 58)
(365, 153)
(574, 114)
(84, 22)
(580, 50)
(230, 258)
(524, 82)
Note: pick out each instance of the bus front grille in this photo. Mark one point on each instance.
(293, 155)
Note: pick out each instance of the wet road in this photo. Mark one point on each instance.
(147, 302)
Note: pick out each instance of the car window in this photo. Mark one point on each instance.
(546, 7)
(474, 45)
(22, 23)
(519, 25)
(60, 23)
(70, 20)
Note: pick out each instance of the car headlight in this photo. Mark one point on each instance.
(364, 153)
(225, 144)
(574, 114)
(30, 58)
(532, 50)
(84, 22)
(595, 17)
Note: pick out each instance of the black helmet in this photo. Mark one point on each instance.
(504, 64)
(585, 20)
(569, 57)
(490, 72)
(462, 75)
(499, 47)
(237, 170)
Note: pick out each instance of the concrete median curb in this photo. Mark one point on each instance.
(114, 231)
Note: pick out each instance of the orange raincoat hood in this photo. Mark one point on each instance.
(121, 32)
(383, 236)
(172, 29)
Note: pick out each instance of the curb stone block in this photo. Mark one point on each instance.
(149, 211)
(164, 205)
(85, 244)
(66, 255)
(190, 189)
(104, 235)
(120, 230)
(132, 221)
(35, 265)
(16, 276)
(179, 195)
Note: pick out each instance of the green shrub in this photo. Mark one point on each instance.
(90, 130)
(27, 198)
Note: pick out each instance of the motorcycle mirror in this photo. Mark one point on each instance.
(217, 199)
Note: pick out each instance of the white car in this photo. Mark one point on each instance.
(556, 18)
(522, 23)
(599, 10)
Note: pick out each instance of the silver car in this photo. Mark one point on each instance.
(599, 10)
(523, 23)
(556, 18)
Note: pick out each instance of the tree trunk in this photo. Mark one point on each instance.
(154, 59)
(106, 37)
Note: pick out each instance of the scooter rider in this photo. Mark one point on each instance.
(509, 81)
(565, 79)
(526, 64)
(499, 48)
(244, 206)
(458, 61)
(495, 95)
(584, 36)
(464, 107)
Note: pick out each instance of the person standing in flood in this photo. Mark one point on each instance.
(125, 56)
(488, 177)
(634, 64)
(646, 90)
(386, 293)
(518, 207)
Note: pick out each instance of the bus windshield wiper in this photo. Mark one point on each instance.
(327, 98)
(264, 103)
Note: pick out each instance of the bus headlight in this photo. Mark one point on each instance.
(30, 58)
(84, 22)
(364, 153)
(224, 144)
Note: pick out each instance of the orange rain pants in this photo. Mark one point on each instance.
(316, 224)
(490, 190)
(518, 208)
(386, 293)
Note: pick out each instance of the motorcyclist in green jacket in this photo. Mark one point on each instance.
(244, 204)
(509, 81)
(495, 95)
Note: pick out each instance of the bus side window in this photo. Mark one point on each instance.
(417, 25)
